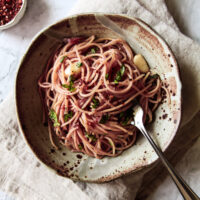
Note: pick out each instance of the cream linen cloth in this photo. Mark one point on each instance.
(23, 177)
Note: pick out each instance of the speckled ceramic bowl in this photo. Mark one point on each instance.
(29, 108)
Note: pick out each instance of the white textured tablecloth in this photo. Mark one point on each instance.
(23, 177)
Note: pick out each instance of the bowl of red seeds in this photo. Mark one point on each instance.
(11, 11)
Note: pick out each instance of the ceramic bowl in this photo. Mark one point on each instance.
(78, 166)
(17, 18)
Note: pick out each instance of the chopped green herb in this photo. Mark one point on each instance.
(70, 86)
(93, 50)
(104, 119)
(126, 120)
(79, 64)
(121, 114)
(122, 70)
(106, 76)
(119, 75)
(110, 143)
(62, 59)
(116, 82)
(55, 124)
(80, 147)
(68, 116)
(95, 103)
(65, 85)
(92, 137)
(124, 117)
(53, 117)
(155, 76)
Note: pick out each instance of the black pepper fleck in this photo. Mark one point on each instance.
(164, 116)
(79, 156)
(52, 150)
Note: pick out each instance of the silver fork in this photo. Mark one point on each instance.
(184, 189)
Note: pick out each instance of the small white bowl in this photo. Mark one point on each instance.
(17, 17)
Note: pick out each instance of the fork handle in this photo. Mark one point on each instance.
(184, 189)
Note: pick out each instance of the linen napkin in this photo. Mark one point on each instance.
(23, 177)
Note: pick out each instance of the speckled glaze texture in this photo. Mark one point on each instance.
(78, 166)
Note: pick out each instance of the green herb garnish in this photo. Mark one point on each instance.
(154, 76)
(121, 114)
(126, 120)
(95, 103)
(93, 50)
(79, 64)
(106, 76)
(53, 117)
(55, 124)
(62, 59)
(80, 147)
(122, 70)
(70, 86)
(110, 143)
(92, 137)
(116, 82)
(68, 116)
(65, 85)
(124, 117)
(104, 119)
(120, 74)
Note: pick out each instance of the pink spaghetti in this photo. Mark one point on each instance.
(89, 88)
